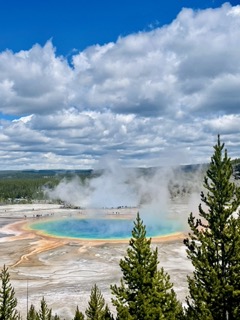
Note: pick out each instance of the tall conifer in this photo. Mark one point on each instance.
(44, 312)
(145, 293)
(96, 305)
(78, 315)
(32, 313)
(8, 302)
(213, 245)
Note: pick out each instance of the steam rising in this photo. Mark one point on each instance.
(152, 191)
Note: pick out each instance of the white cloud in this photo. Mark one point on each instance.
(143, 98)
(33, 81)
(227, 124)
(24, 119)
(235, 11)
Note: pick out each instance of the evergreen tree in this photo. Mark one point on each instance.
(145, 293)
(44, 313)
(214, 245)
(8, 302)
(78, 315)
(107, 314)
(96, 304)
(32, 314)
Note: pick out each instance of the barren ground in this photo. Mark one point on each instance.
(64, 270)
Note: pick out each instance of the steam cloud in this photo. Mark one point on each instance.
(151, 191)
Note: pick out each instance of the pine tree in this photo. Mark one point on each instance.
(8, 302)
(32, 314)
(145, 293)
(78, 315)
(107, 314)
(44, 313)
(96, 304)
(213, 246)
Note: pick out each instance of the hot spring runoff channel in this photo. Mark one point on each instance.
(106, 229)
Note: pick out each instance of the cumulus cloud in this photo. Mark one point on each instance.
(150, 98)
(33, 81)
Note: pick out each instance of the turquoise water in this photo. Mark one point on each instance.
(108, 229)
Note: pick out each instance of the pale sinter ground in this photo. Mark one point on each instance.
(64, 270)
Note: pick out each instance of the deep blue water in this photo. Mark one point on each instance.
(108, 229)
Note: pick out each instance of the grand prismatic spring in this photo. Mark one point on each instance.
(103, 229)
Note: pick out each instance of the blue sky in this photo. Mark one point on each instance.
(147, 83)
(78, 24)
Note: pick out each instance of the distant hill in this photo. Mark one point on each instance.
(149, 171)
(25, 186)
(32, 174)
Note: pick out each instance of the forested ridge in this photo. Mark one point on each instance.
(28, 185)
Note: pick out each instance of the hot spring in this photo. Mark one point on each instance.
(100, 229)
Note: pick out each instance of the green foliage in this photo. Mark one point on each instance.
(32, 314)
(145, 293)
(25, 186)
(107, 314)
(44, 313)
(78, 315)
(96, 304)
(22, 189)
(8, 302)
(213, 245)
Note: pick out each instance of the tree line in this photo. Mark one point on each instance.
(24, 190)
(28, 186)
(145, 291)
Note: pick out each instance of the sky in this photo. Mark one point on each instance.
(143, 83)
